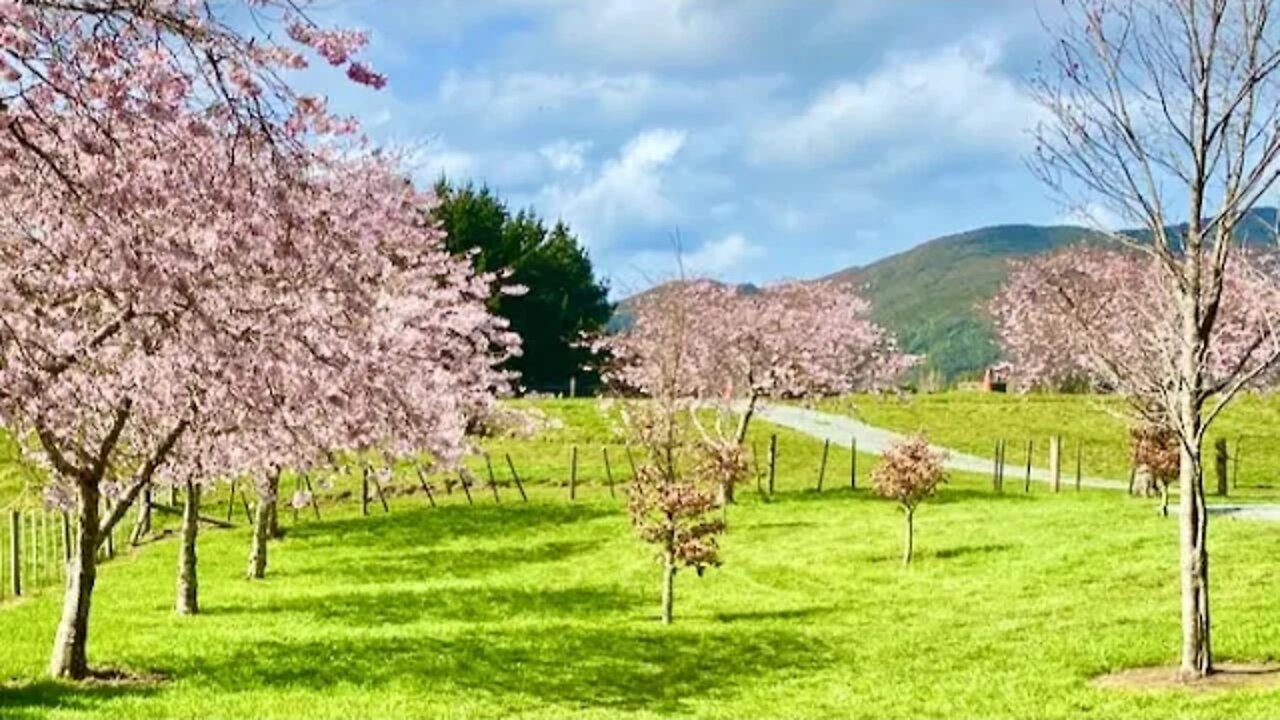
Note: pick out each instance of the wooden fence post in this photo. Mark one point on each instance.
(1055, 462)
(493, 482)
(462, 477)
(315, 503)
(426, 488)
(822, 469)
(755, 461)
(244, 504)
(773, 460)
(631, 461)
(382, 497)
(853, 463)
(66, 538)
(111, 542)
(608, 471)
(1026, 483)
(995, 468)
(1004, 463)
(364, 490)
(573, 472)
(15, 552)
(514, 476)
(1235, 463)
(1079, 463)
(1220, 459)
(33, 551)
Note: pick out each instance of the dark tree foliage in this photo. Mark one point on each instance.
(565, 299)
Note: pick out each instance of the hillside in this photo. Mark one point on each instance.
(931, 296)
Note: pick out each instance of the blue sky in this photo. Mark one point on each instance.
(780, 139)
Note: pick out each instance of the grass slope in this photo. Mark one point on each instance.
(931, 296)
(972, 422)
(549, 610)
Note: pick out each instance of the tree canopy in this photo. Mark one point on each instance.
(565, 299)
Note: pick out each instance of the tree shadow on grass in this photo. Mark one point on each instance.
(469, 604)
(793, 614)
(38, 699)
(424, 525)
(952, 495)
(373, 565)
(629, 668)
(948, 553)
(964, 550)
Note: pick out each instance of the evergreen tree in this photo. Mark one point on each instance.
(565, 299)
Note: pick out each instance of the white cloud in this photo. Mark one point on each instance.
(428, 162)
(730, 259)
(511, 99)
(912, 109)
(658, 32)
(565, 156)
(627, 191)
(731, 252)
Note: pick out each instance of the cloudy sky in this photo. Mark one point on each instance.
(784, 138)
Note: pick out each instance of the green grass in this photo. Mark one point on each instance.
(549, 610)
(972, 422)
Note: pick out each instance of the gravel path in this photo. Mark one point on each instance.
(840, 429)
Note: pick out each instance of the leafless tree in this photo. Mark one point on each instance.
(1164, 111)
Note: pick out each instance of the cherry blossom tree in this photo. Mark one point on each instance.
(782, 341)
(171, 245)
(683, 459)
(1099, 314)
(88, 74)
(1161, 111)
(1155, 448)
(909, 473)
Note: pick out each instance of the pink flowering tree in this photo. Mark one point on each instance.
(909, 473)
(166, 236)
(1160, 112)
(402, 367)
(1099, 314)
(782, 341)
(684, 457)
(1154, 448)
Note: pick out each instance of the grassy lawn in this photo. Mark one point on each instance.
(549, 609)
(972, 422)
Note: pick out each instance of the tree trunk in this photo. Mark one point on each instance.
(1197, 659)
(273, 507)
(746, 418)
(724, 494)
(1164, 499)
(188, 583)
(908, 537)
(142, 525)
(261, 535)
(70, 658)
(668, 587)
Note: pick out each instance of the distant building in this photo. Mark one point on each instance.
(996, 378)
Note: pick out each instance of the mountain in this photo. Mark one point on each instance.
(932, 297)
